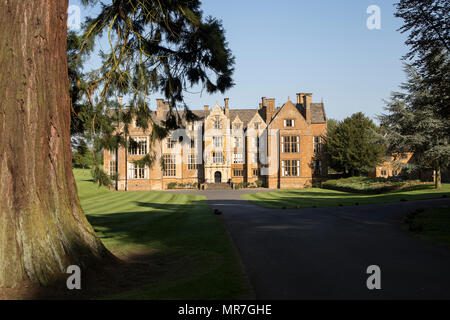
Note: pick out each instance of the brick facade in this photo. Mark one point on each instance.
(393, 167)
(390, 167)
(281, 147)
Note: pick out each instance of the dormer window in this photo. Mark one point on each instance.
(237, 126)
(289, 123)
(217, 123)
(257, 125)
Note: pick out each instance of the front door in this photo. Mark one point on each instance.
(218, 177)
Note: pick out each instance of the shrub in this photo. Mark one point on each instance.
(171, 185)
(369, 185)
(100, 177)
(259, 183)
(316, 184)
(239, 185)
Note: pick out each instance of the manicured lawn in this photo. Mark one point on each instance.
(315, 197)
(181, 249)
(433, 225)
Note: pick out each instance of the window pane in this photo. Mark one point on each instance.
(169, 169)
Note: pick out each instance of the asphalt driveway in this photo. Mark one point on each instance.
(323, 253)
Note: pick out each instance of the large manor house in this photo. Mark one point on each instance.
(276, 147)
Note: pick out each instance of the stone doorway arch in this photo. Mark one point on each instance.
(218, 177)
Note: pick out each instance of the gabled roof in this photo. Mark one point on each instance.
(262, 113)
(277, 111)
(317, 112)
(258, 117)
(245, 115)
(236, 119)
(201, 114)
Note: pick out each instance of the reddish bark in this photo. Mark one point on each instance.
(43, 229)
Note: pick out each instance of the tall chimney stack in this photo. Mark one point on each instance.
(264, 101)
(270, 109)
(307, 105)
(161, 108)
(300, 98)
(227, 107)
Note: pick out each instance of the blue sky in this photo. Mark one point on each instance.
(323, 47)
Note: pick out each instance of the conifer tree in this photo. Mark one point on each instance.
(414, 124)
(427, 26)
(354, 145)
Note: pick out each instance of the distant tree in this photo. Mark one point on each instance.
(418, 119)
(354, 145)
(82, 157)
(77, 84)
(427, 23)
(414, 124)
(331, 124)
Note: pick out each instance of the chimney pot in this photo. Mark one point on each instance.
(300, 98)
(206, 108)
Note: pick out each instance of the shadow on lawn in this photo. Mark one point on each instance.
(131, 272)
(167, 207)
(167, 242)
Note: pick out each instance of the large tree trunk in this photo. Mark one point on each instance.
(43, 229)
